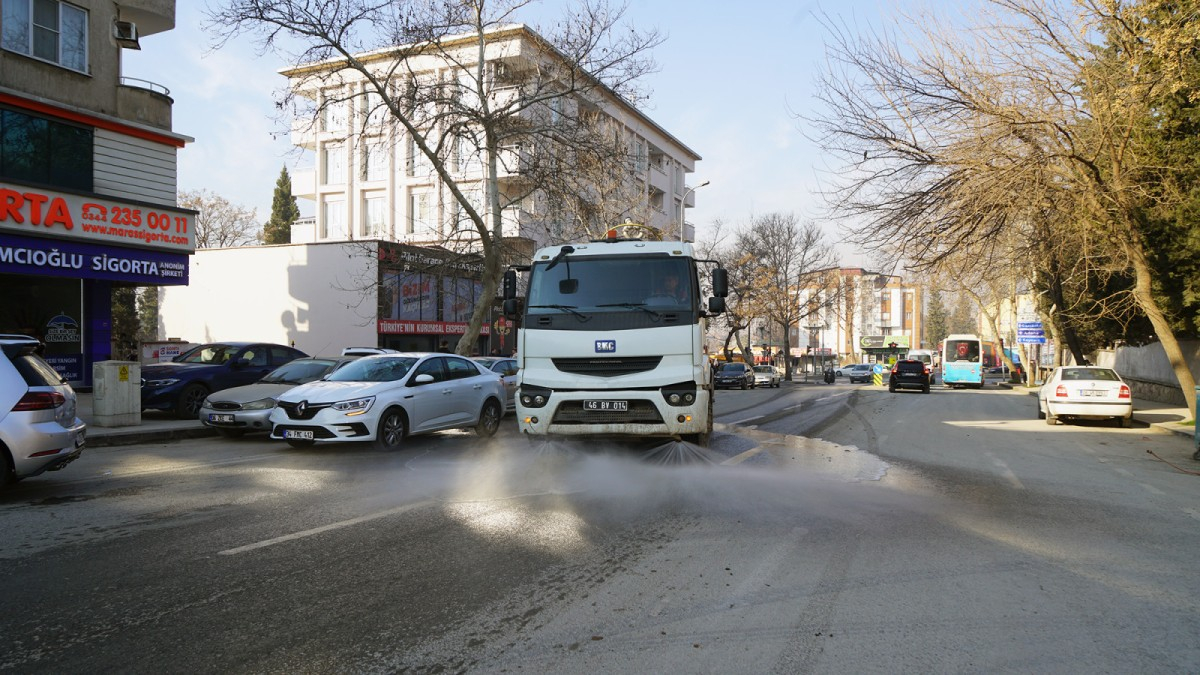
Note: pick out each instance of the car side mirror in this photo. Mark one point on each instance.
(423, 378)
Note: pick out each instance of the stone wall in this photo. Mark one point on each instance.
(1148, 371)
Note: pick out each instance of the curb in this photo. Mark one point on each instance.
(105, 440)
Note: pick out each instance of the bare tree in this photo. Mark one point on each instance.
(442, 77)
(219, 222)
(787, 262)
(956, 139)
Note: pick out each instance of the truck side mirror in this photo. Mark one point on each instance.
(716, 305)
(510, 284)
(720, 282)
(512, 308)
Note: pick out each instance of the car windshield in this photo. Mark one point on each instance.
(733, 368)
(1089, 374)
(764, 369)
(209, 354)
(299, 372)
(375, 369)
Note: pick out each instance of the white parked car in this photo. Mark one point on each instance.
(38, 427)
(1085, 392)
(766, 376)
(389, 397)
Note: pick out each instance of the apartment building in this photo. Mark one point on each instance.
(370, 179)
(87, 173)
(856, 316)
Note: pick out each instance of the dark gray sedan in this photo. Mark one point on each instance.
(244, 409)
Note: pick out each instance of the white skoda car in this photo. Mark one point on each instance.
(1085, 392)
(386, 398)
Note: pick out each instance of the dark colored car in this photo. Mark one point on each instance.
(734, 375)
(181, 385)
(910, 374)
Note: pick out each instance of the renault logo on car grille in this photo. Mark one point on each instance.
(301, 407)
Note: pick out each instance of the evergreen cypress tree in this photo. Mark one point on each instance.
(284, 212)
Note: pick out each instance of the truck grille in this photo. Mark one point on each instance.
(608, 367)
(640, 412)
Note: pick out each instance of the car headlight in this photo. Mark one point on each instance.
(356, 406)
(260, 404)
(162, 383)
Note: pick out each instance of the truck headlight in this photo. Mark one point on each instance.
(682, 394)
(534, 397)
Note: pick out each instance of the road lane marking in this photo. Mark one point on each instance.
(748, 419)
(738, 459)
(324, 528)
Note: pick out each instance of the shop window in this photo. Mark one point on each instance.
(46, 30)
(40, 150)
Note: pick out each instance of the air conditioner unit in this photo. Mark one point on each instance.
(126, 34)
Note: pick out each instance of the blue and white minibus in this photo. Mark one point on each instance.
(962, 360)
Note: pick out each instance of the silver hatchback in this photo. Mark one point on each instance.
(38, 427)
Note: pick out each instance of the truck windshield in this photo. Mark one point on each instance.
(590, 284)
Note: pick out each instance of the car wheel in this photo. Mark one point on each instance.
(1126, 422)
(1050, 418)
(300, 443)
(1041, 413)
(187, 406)
(925, 389)
(745, 386)
(489, 419)
(8, 475)
(390, 434)
(231, 433)
(892, 388)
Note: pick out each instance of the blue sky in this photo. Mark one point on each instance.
(732, 77)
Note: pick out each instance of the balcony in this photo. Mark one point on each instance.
(144, 102)
(304, 184)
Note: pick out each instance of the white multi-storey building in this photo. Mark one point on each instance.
(370, 180)
(858, 314)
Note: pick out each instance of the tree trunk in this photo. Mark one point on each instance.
(1143, 293)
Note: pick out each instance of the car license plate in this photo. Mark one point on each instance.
(301, 434)
(220, 419)
(1092, 392)
(620, 406)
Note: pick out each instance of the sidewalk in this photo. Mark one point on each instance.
(155, 427)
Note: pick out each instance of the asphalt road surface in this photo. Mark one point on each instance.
(829, 529)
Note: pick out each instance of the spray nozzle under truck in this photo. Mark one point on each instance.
(609, 345)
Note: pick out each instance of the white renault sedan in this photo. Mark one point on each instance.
(385, 398)
(1085, 392)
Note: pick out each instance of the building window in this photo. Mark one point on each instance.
(374, 215)
(334, 164)
(375, 161)
(39, 150)
(333, 212)
(47, 30)
(333, 110)
(419, 165)
(418, 213)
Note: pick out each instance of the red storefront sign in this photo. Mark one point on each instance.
(399, 327)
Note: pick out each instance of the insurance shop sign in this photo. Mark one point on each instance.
(59, 258)
(95, 219)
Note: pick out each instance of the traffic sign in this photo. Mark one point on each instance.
(1030, 333)
(1029, 324)
(1031, 340)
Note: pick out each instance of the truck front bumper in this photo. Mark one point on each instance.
(601, 413)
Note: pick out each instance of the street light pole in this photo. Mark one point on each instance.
(683, 205)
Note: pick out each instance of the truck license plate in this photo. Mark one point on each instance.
(620, 406)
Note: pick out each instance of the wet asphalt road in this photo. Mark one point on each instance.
(828, 529)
